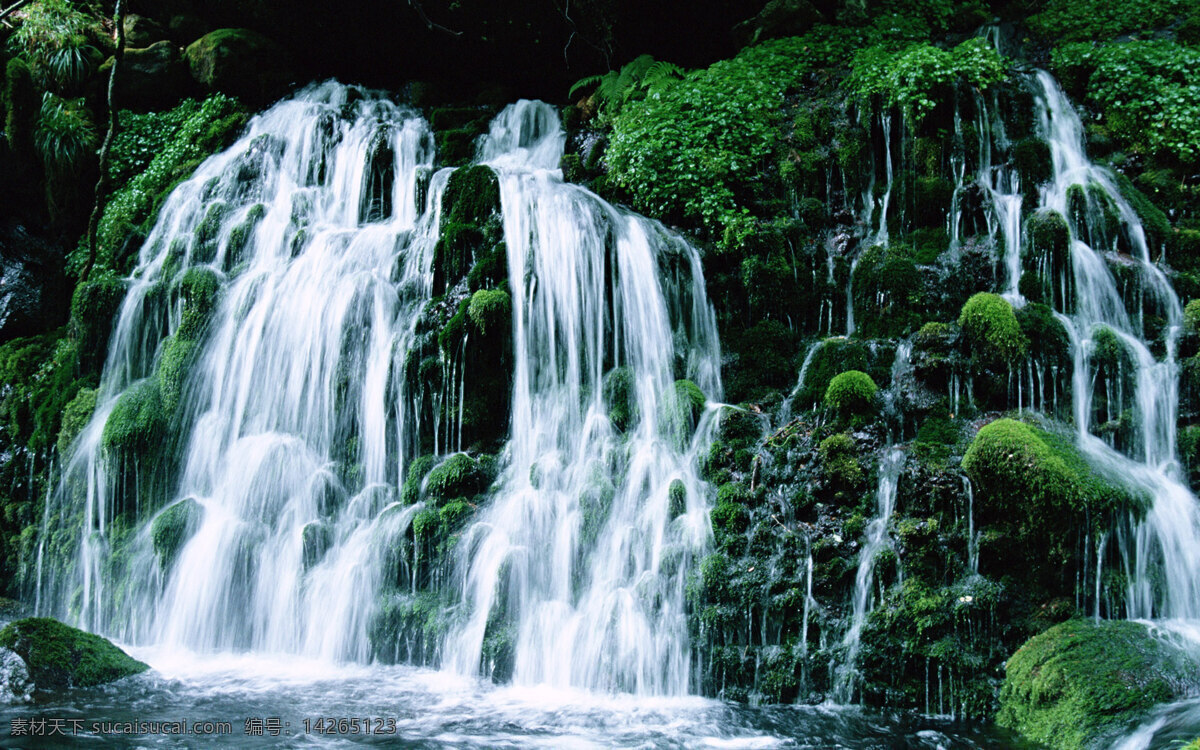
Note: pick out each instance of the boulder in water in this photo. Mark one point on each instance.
(58, 655)
(1078, 683)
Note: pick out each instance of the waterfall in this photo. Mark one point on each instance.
(579, 556)
(315, 236)
(890, 467)
(1167, 541)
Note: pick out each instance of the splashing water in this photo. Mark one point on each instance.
(579, 556)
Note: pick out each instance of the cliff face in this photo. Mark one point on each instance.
(952, 292)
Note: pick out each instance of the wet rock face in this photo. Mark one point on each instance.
(15, 685)
(152, 78)
(32, 296)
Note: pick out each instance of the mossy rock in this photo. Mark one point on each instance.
(676, 498)
(491, 311)
(410, 493)
(93, 306)
(241, 63)
(991, 329)
(1040, 481)
(620, 397)
(75, 417)
(173, 363)
(1081, 682)
(851, 393)
(173, 527)
(198, 290)
(839, 462)
(137, 423)
(472, 195)
(60, 656)
(681, 407)
(457, 476)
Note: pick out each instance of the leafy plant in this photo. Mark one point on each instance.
(53, 37)
(65, 133)
(910, 77)
(1082, 20)
(641, 76)
(1148, 91)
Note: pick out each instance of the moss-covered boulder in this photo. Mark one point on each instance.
(457, 476)
(173, 527)
(991, 329)
(75, 418)
(137, 423)
(851, 392)
(60, 656)
(491, 311)
(241, 63)
(1081, 682)
(620, 397)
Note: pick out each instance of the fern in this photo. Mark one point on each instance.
(633, 81)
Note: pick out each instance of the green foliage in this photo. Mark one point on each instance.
(138, 422)
(60, 656)
(911, 77)
(1164, 115)
(1087, 20)
(641, 76)
(65, 134)
(53, 37)
(1191, 316)
(209, 129)
(141, 137)
(75, 417)
(472, 195)
(491, 311)
(851, 392)
(689, 150)
(991, 328)
(1075, 685)
(835, 355)
(172, 528)
(39, 378)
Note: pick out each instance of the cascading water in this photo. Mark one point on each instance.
(1168, 539)
(311, 227)
(877, 537)
(296, 423)
(581, 557)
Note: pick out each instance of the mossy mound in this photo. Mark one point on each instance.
(620, 397)
(137, 423)
(1040, 477)
(851, 392)
(491, 311)
(1080, 681)
(456, 477)
(991, 329)
(239, 62)
(60, 656)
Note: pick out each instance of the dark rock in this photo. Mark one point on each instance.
(152, 78)
(778, 18)
(32, 294)
(141, 31)
(241, 63)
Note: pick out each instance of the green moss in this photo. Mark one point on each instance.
(491, 310)
(682, 407)
(1032, 159)
(1040, 481)
(173, 527)
(93, 306)
(676, 498)
(137, 423)
(59, 656)
(210, 127)
(173, 363)
(457, 476)
(1080, 682)
(851, 392)
(991, 329)
(839, 462)
(239, 236)
(1191, 316)
(491, 269)
(620, 397)
(472, 196)
(198, 290)
(835, 355)
(21, 102)
(417, 471)
(75, 417)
